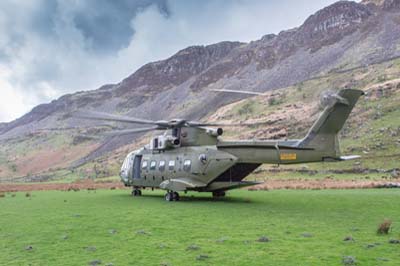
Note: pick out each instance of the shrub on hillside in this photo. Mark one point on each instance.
(246, 109)
(384, 227)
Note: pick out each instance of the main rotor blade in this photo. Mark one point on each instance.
(71, 128)
(200, 124)
(115, 118)
(235, 91)
(130, 131)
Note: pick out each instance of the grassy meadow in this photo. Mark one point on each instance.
(281, 227)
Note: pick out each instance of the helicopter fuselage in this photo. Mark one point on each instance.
(218, 167)
(184, 168)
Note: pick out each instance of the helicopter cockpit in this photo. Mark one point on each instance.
(130, 169)
(163, 142)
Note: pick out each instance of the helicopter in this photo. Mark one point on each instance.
(193, 156)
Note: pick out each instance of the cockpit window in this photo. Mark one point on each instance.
(187, 165)
(153, 165)
(161, 166)
(125, 164)
(171, 165)
(144, 165)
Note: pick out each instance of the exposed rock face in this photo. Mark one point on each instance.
(391, 4)
(384, 4)
(341, 36)
(178, 68)
(332, 23)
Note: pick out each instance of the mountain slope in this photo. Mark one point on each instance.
(372, 131)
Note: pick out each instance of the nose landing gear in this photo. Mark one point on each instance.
(172, 196)
(136, 192)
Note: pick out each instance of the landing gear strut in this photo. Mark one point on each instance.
(218, 194)
(136, 192)
(172, 196)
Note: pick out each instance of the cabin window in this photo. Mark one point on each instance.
(144, 165)
(153, 165)
(186, 165)
(171, 165)
(203, 158)
(161, 166)
(155, 143)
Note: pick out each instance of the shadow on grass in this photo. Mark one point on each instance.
(194, 199)
(190, 198)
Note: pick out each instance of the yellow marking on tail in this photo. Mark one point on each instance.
(288, 156)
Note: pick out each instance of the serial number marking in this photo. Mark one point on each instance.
(288, 156)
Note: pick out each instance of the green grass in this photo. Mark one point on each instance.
(150, 231)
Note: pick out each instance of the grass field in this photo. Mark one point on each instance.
(303, 228)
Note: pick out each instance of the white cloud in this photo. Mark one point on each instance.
(44, 54)
(12, 103)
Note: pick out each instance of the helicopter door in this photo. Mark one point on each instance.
(136, 166)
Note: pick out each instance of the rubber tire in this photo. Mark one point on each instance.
(169, 196)
(136, 193)
(176, 196)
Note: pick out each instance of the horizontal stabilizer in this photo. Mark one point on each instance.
(349, 157)
(341, 158)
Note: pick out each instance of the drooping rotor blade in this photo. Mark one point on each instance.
(115, 118)
(161, 124)
(236, 91)
(87, 136)
(201, 124)
(131, 131)
(70, 128)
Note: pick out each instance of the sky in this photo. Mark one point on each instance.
(49, 48)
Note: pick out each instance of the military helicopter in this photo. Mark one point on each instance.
(192, 156)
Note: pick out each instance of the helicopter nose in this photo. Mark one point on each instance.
(123, 174)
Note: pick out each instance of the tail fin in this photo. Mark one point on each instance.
(323, 135)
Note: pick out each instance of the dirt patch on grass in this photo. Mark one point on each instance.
(319, 184)
(269, 185)
(76, 186)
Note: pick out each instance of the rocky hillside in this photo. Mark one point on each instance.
(372, 131)
(336, 39)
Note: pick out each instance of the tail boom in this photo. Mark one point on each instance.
(320, 144)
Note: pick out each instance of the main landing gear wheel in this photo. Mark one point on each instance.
(169, 196)
(172, 196)
(136, 192)
(218, 194)
(176, 196)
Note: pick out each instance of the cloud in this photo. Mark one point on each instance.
(13, 104)
(52, 47)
